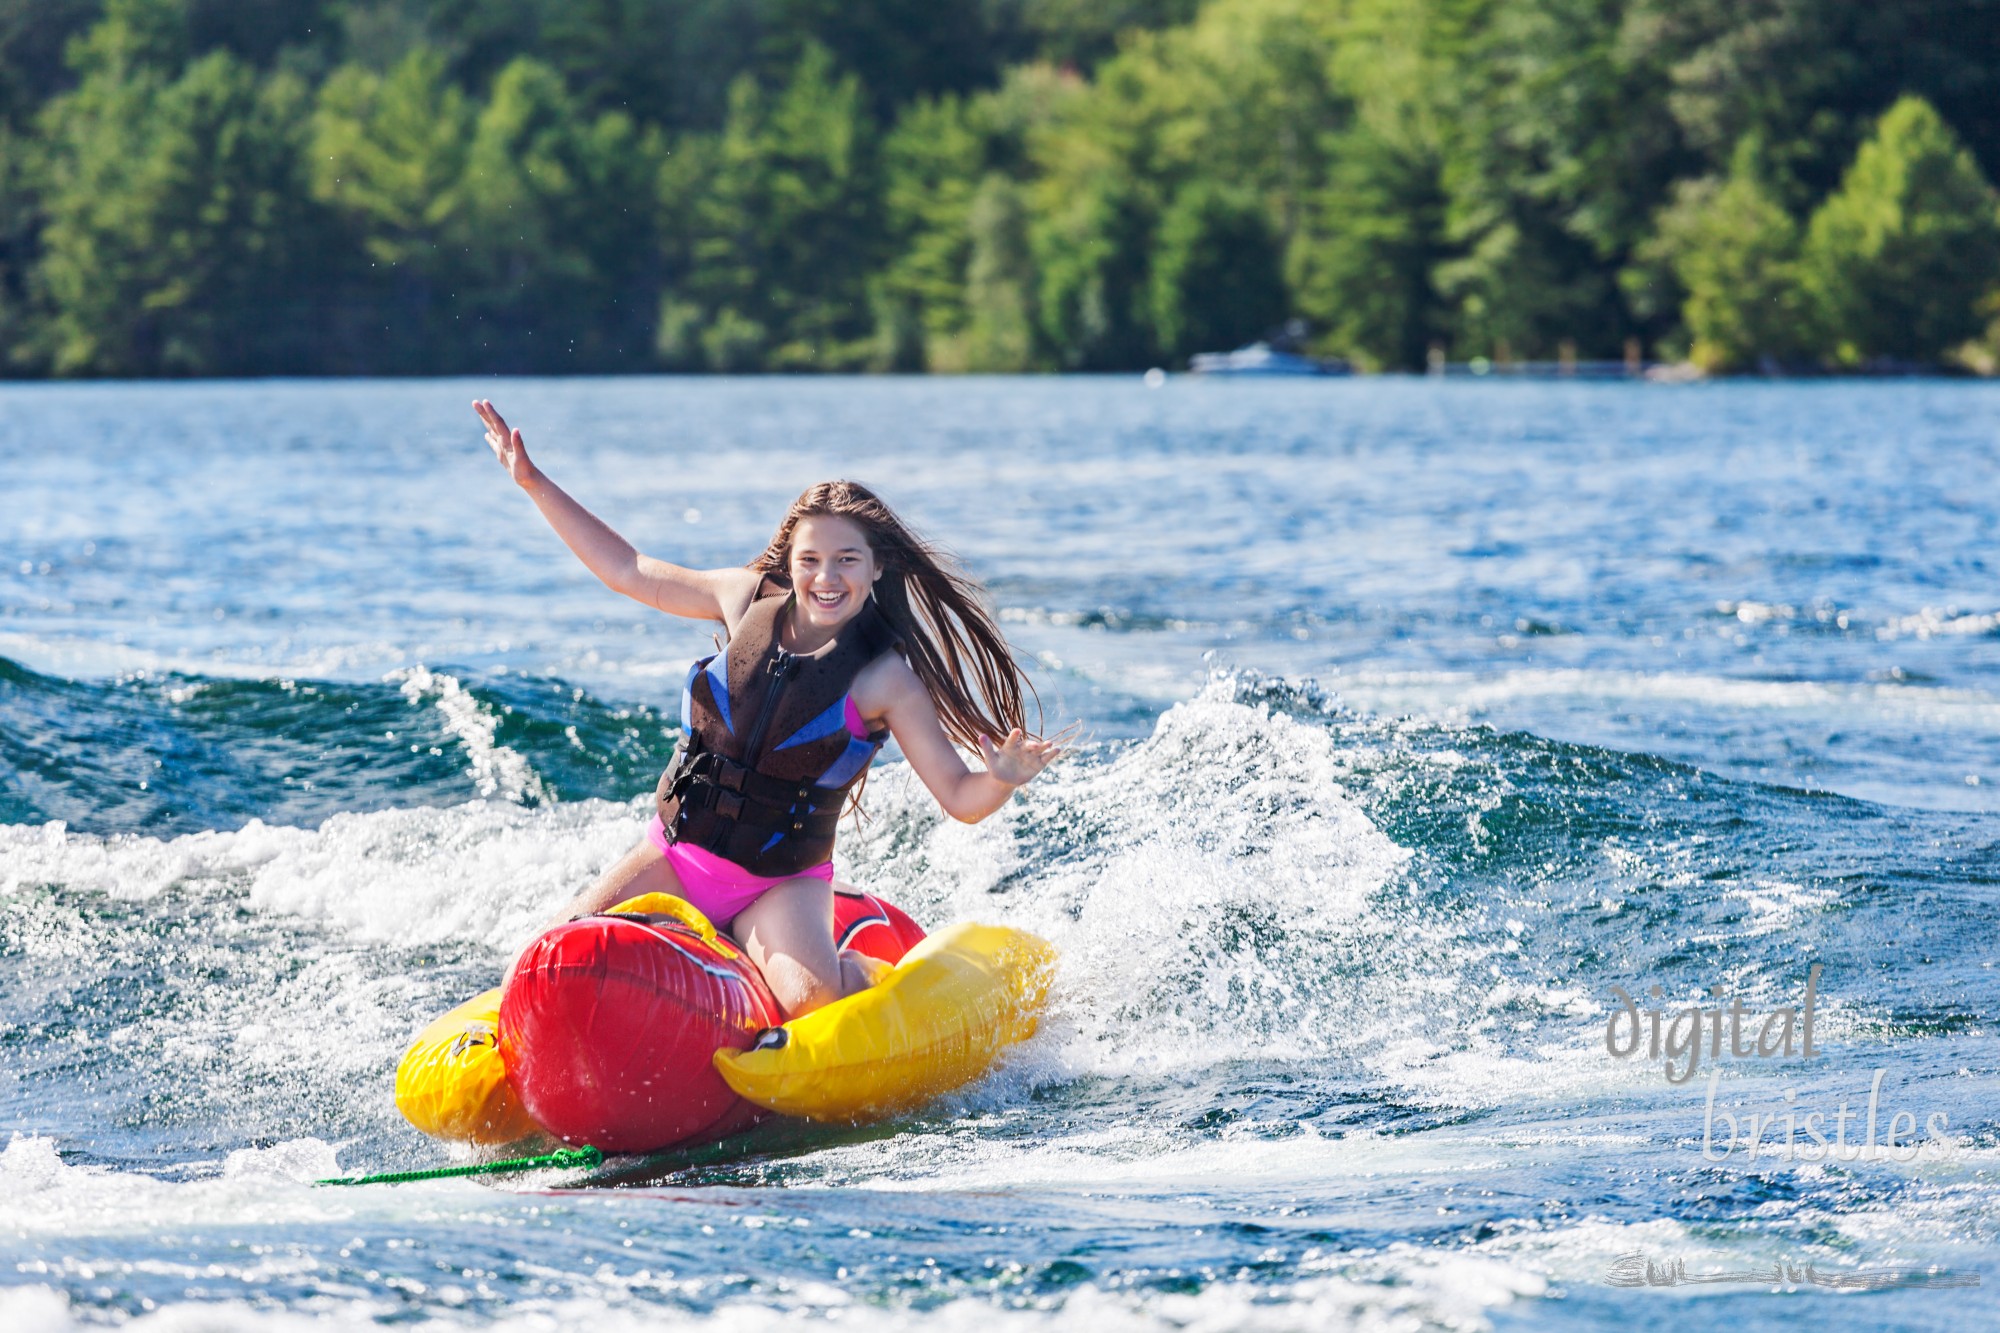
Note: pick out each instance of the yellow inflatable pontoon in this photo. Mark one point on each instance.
(936, 1022)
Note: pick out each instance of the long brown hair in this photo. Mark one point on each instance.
(936, 608)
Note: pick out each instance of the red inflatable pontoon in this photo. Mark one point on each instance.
(609, 1024)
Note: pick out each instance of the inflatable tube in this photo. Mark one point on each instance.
(869, 925)
(454, 1082)
(609, 1026)
(935, 1023)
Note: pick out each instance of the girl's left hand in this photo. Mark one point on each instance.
(1017, 759)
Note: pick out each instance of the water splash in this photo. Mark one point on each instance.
(495, 769)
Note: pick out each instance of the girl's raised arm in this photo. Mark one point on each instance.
(967, 794)
(699, 594)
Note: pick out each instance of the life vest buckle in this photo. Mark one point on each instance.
(686, 764)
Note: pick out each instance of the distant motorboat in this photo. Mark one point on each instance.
(1260, 358)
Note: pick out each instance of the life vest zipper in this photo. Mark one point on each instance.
(780, 669)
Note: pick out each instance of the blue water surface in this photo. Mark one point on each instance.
(1420, 715)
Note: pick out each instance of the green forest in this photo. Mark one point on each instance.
(253, 187)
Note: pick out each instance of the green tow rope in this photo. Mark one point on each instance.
(566, 1158)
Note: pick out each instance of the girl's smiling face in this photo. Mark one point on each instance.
(833, 569)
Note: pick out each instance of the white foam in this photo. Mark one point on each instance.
(300, 1161)
(319, 1005)
(31, 1165)
(1403, 1289)
(1460, 698)
(1211, 890)
(1871, 1237)
(482, 872)
(41, 1195)
(1216, 896)
(1933, 622)
(99, 657)
(121, 866)
(1778, 905)
(1152, 1156)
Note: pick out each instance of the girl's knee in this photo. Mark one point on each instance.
(788, 934)
(858, 971)
(797, 989)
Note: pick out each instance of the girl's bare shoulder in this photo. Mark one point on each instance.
(883, 682)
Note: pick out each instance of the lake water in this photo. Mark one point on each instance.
(1421, 715)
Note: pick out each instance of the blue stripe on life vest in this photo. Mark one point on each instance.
(717, 668)
(687, 696)
(852, 760)
(832, 720)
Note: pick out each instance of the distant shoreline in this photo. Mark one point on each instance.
(1663, 372)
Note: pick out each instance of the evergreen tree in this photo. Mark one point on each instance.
(258, 32)
(1733, 251)
(899, 49)
(1084, 32)
(961, 278)
(1808, 78)
(1216, 281)
(389, 152)
(557, 230)
(1364, 272)
(1552, 161)
(932, 161)
(1239, 100)
(20, 225)
(388, 158)
(174, 212)
(134, 35)
(485, 183)
(1898, 260)
(785, 231)
(662, 62)
(1090, 254)
(1000, 284)
(33, 37)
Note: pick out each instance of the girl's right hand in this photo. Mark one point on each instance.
(1017, 759)
(506, 444)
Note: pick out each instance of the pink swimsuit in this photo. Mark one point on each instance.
(722, 888)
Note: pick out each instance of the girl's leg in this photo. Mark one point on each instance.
(788, 934)
(858, 971)
(642, 870)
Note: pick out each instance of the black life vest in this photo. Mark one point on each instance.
(766, 760)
